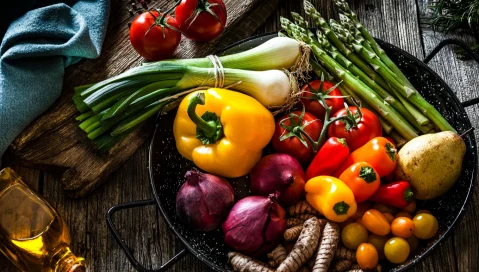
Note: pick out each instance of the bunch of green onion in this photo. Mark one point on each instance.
(114, 107)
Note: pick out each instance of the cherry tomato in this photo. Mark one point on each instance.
(385, 208)
(411, 208)
(362, 208)
(396, 250)
(402, 227)
(367, 256)
(403, 214)
(413, 242)
(310, 98)
(367, 128)
(375, 222)
(201, 20)
(423, 211)
(290, 141)
(426, 226)
(362, 179)
(353, 235)
(157, 43)
(389, 217)
(378, 242)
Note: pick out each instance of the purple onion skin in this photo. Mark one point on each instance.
(204, 200)
(255, 225)
(278, 173)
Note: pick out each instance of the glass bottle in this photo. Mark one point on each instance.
(32, 234)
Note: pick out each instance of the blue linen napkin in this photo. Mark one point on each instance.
(36, 49)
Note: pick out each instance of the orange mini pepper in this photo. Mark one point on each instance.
(379, 152)
(331, 197)
(362, 179)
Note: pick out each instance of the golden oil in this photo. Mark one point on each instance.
(32, 234)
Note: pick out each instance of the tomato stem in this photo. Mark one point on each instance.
(162, 20)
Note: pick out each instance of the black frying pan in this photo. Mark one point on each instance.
(167, 167)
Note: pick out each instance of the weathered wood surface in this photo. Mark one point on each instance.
(394, 21)
(55, 143)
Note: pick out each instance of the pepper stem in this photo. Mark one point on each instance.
(341, 208)
(408, 195)
(208, 126)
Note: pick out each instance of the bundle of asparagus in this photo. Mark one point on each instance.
(347, 52)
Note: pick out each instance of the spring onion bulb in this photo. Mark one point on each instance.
(115, 106)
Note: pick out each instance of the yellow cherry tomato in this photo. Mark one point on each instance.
(353, 235)
(385, 208)
(396, 250)
(411, 208)
(375, 222)
(367, 256)
(402, 227)
(389, 217)
(413, 242)
(403, 214)
(426, 226)
(378, 242)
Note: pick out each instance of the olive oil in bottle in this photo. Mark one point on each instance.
(32, 234)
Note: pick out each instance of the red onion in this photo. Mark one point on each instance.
(204, 200)
(255, 225)
(278, 173)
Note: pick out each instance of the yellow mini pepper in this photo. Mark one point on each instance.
(331, 197)
(223, 132)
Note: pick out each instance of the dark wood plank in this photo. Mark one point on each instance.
(55, 143)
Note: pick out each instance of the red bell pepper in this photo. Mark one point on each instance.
(397, 194)
(331, 155)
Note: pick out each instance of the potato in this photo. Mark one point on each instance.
(431, 163)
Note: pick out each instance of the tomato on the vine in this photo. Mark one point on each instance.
(201, 20)
(366, 128)
(310, 97)
(292, 132)
(153, 36)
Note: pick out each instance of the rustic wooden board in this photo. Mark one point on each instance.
(144, 229)
(55, 143)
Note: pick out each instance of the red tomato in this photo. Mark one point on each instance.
(310, 98)
(287, 140)
(157, 43)
(201, 20)
(367, 128)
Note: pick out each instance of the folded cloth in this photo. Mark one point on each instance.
(34, 52)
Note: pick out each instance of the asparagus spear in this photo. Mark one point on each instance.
(382, 107)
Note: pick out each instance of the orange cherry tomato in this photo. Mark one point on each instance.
(403, 214)
(402, 227)
(367, 256)
(389, 217)
(361, 209)
(362, 179)
(411, 208)
(379, 152)
(375, 222)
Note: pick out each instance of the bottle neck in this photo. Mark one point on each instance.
(65, 261)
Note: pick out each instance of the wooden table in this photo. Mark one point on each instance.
(397, 22)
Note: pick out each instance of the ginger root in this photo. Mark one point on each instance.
(301, 207)
(357, 268)
(343, 253)
(341, 266)
(327, 247)
(293, 233)
(243, 263)
(305, 216)
(293, 222)
(304, 247)
(304, 269)
(277, 256)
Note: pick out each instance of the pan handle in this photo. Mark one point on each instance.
(467, 49)
(124, 246)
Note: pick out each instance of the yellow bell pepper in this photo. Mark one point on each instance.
(223, 132)
(331, 197)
